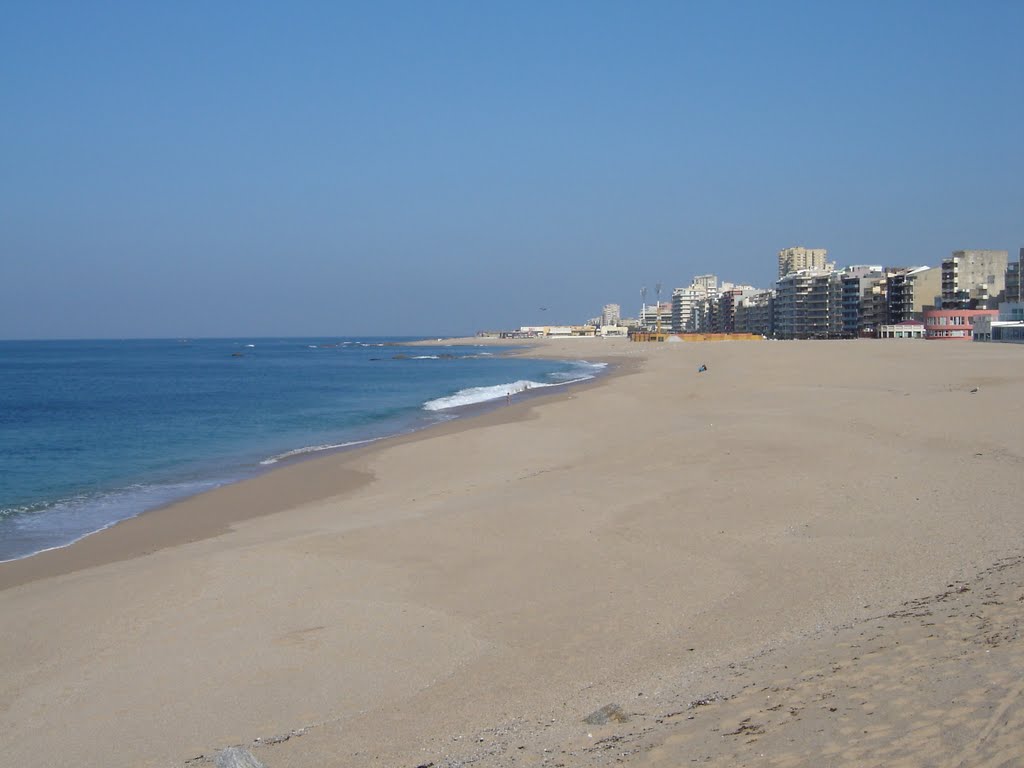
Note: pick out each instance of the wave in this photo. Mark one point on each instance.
(311, 449)
(473, 395)
(581, 371)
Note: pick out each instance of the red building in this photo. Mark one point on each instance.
(953, 323)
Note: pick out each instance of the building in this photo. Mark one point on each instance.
(754, 313)
(687, 308)
(948, 323)
(727, 300)
(708, 282)
(847, 298)
(800, 258)
(1008, 327)
(907, 329)
(802, 305)
(1014, 283)
(911, 290)
(611, 314)
(973, 279)
(657, 317)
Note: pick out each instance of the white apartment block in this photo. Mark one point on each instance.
(611, 314)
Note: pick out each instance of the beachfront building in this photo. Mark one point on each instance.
(686, 308)
(954, 323)
(754, 313)
(1014, 283)
(799, 258)
(1007, 327)
(973, 279)
(691, 310)
(848, 289)
(911, 290)
(907, 329)
(802, 305)
(725, 319)
(873, 308)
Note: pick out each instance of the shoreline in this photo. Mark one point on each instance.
(216, 510)
(633, 546)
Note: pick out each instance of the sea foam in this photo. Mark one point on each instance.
(311, 449)
(475, 395)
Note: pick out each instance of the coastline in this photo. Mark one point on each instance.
(626, 541)
(216, 509)
(213, 512)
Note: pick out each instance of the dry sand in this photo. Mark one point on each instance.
(809, 555)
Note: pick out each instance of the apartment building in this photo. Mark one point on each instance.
(800, 258)
(687, 308)
(973, 279)
(753, 314)
(802, 305)
(611, 314)
(911, 290)
(1014, 284)
(847, 292)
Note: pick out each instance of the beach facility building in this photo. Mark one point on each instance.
(1007, 327)
(907, 329)
(954, 323)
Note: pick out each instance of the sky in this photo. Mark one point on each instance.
(195, 169)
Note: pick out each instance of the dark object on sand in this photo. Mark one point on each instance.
(702, 368)
(606, 714)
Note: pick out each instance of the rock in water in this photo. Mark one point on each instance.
(236, 757)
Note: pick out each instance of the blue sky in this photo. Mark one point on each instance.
(208, 169)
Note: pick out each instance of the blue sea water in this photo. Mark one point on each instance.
(93, 432)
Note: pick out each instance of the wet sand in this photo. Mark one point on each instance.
(472, 593)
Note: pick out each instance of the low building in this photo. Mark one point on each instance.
(954, 323)
(907, 329)
(1007, 327)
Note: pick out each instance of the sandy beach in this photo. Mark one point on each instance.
(810, 554)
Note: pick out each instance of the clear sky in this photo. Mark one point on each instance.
(253, 168)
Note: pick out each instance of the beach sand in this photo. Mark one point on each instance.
(810, 554)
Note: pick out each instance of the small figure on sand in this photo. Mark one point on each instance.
(702, 368)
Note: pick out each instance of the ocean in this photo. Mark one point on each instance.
(94, 432)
